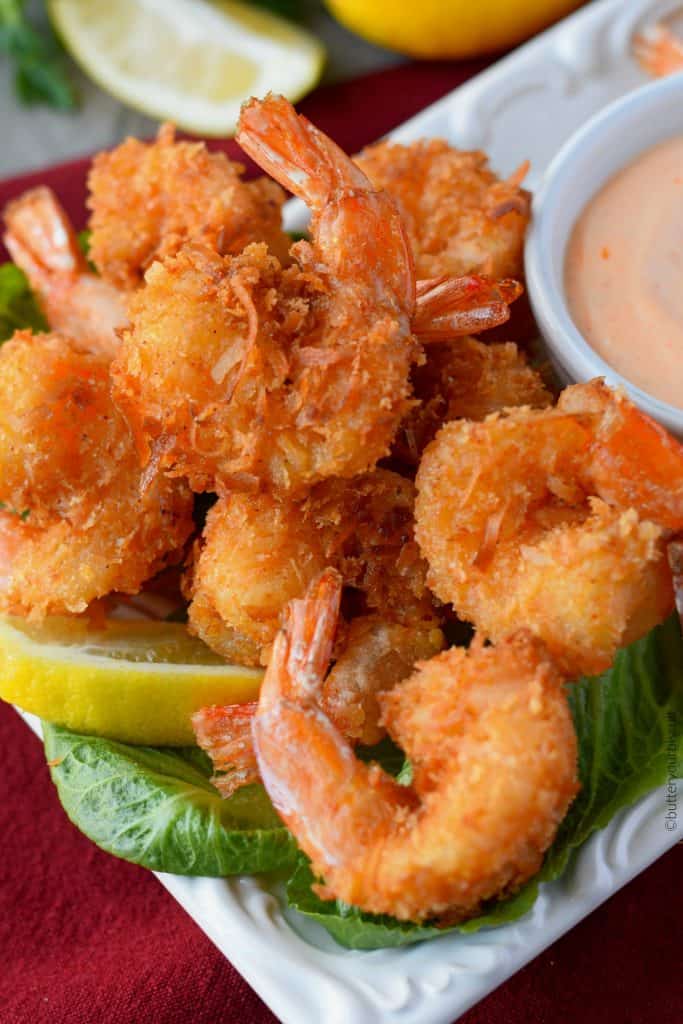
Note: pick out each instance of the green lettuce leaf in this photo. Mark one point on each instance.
(629, 724)
(157, 808)
(18, 307)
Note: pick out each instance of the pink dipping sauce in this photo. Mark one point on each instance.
(624, 272)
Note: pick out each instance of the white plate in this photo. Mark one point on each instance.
(524, 107)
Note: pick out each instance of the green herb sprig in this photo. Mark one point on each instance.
(40, 71)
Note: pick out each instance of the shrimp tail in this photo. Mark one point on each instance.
(224, 733)
(448, 307)
(508, 197)
(298, 663)
(307, 767)
(658, 52)
(634, 461)
(42, 242)
(295, 152)
(358, 229)
(40, 237)
(311, 632)
(302, 651)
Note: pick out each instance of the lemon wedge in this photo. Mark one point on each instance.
(188, 61)
(137, 682)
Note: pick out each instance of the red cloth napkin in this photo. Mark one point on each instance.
(87, 939)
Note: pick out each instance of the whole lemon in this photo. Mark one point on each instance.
(438, 28)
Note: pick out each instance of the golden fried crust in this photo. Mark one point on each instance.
(255, 555)
(466, 379)
(148, 199)
(459, 216)
(60, 569)
(258, 553)
(372, 656)
(377, 655)
(367, 528)
(61, 439)
(235, 372)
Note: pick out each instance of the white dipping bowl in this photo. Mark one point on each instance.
(609, 141)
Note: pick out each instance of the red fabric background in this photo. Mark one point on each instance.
(87, 939)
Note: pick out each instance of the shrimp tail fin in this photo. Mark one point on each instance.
(658, 52)
(508, 196)
(449, 307)
(358, 228)
(302, 649)
(311, 628)
(40, 237)
(295, 152)
(224, 733)
(635, 462)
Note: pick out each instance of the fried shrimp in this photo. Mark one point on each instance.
(80, 521)
(556, 520)
(466, 379)
(148, 199)
(460, 218)
(375, 656)
(239, 373)
(258, 552)
(60, 439)
(42, 241)
(492, 747)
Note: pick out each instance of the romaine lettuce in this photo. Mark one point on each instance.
(157, 807)
(18, 307)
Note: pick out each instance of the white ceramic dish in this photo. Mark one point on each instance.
(525, 106)
(609, 141)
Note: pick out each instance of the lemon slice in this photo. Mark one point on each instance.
(188, 61)
(137, 682)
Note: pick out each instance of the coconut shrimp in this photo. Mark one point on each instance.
(659, 52)
(375, 655)
(79, 521)
(556, 519)
(147, 199)
(60, 439)
(460, 218)
(258, 552)
(41, 240)
(466, 379)
(239, 373)
(492, 747)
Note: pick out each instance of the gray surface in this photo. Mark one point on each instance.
(38, 136)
